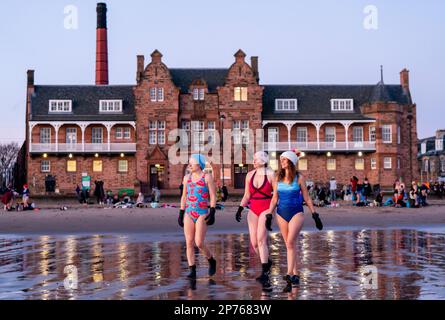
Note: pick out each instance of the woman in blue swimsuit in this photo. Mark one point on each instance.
(194, 216)
(291, 190)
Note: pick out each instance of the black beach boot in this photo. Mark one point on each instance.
(192, 274)
(212, 266)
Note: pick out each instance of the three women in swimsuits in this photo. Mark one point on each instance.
(199, 191)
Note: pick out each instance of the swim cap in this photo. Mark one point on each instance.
(200, 159)
(291, 156)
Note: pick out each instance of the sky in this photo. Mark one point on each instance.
(297, 41)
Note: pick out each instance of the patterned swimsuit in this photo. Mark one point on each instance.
(197, 203)
(290, 199)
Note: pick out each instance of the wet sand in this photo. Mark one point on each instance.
(164, 221)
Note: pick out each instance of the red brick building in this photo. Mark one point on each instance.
(119, 134)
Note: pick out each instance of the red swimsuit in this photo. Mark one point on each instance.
(261, 197)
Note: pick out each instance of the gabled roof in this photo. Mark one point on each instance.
(314, 101)
(85, 102)
(183, 77)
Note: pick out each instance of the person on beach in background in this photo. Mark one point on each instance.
(25, 195)
(194, 216)
(333, 190)
(8, 199)
(366, 189)
(378, 202)
(258, 195)
(354, 182)
(291, 189)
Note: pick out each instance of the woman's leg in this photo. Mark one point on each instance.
(284, 229)
(295, 226)
(200, 234)
(252, 221)
(189, 232)
(261, 234)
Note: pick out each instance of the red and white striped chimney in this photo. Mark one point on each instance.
(101, 45)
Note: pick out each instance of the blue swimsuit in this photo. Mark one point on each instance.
(290, 199)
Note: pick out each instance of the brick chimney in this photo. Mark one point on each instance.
(404, 79)
(254, 65)
(140, 68)
(30, 77)
(101, 45)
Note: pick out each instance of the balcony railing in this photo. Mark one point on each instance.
(322, 146)
(81, 148)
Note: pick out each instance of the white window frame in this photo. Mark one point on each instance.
(423, 148)
(439, 144)
(156, 94)
(373, 164)
(387, 127)
(442, 165)
(45, 166)
(121, 168)
(387, 163)
(60, 106)
(211, 132)
(126, 134)
(71, 132)
(273, 135)
(357, 136)
(286, 105)
(45, 136)
(302, 134)
(398, 162)
(110, 106)
(201, 94)
(342, 105)
(94, 137)
(325, 135)
(119, 134)
(399, 137)
(372, 134)
(240, 94)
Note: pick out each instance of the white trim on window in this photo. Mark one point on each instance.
(110, 106)
(373, 164)
(60, 106)
(372, 134)
(45, 135)
(240, 93)
(387, 163)
(342, 105)
(122, 166)
(387, 133)
(359, 164)
(399, 138)
(156, 94)
(286, 105)
(45, 166)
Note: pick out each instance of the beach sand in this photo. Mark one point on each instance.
(97, 220)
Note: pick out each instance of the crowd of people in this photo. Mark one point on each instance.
(362, 194)
(15, 201)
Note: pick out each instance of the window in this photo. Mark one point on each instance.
(240, 93)
(119, 133)
(60, 106)
(71, 166)
(156, 133)
(442, 165)
(286, 105)
(45, 135)
(71, 136)
(387, 163)
(198, 94)
(272, 134)
(331, 165)
(302, 134)
(360, 164)
(357, 134)
(198, 135)
(423, 148)
(127, 134)
(398, 162)
(211, 132)
(398, 135)
(110, 106)
(372, 134)
(439, 144)
(302, 164)
(185, 125)
(240, 131)
(373, 164)
(97, 135)
(157, 94)
(330, 135)
(45, 166)
(387, 133)
(123, 166)
(426, 165)
(342, 104)
(97, 165)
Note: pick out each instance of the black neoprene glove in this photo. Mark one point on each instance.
(211, 217)
(181, 218)
(317, 220)
(238, 213)
(269, 221)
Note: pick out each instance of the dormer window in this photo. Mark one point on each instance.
(198, 94)
(110, 106)
(286, 105)
(56, 106)
(342, 105)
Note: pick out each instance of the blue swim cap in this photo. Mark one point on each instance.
(200, 159)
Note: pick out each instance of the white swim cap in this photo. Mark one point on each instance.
(291, 156)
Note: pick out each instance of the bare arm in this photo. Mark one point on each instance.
(274, 201)
(246, 197)
(184, 193)
(212, 189)
(307, 198)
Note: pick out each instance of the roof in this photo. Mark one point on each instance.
(85, 103)
(314, 100)
(183, 77)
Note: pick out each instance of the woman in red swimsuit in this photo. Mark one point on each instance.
(258, 194)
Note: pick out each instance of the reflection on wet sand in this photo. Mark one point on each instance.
(410, 264)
